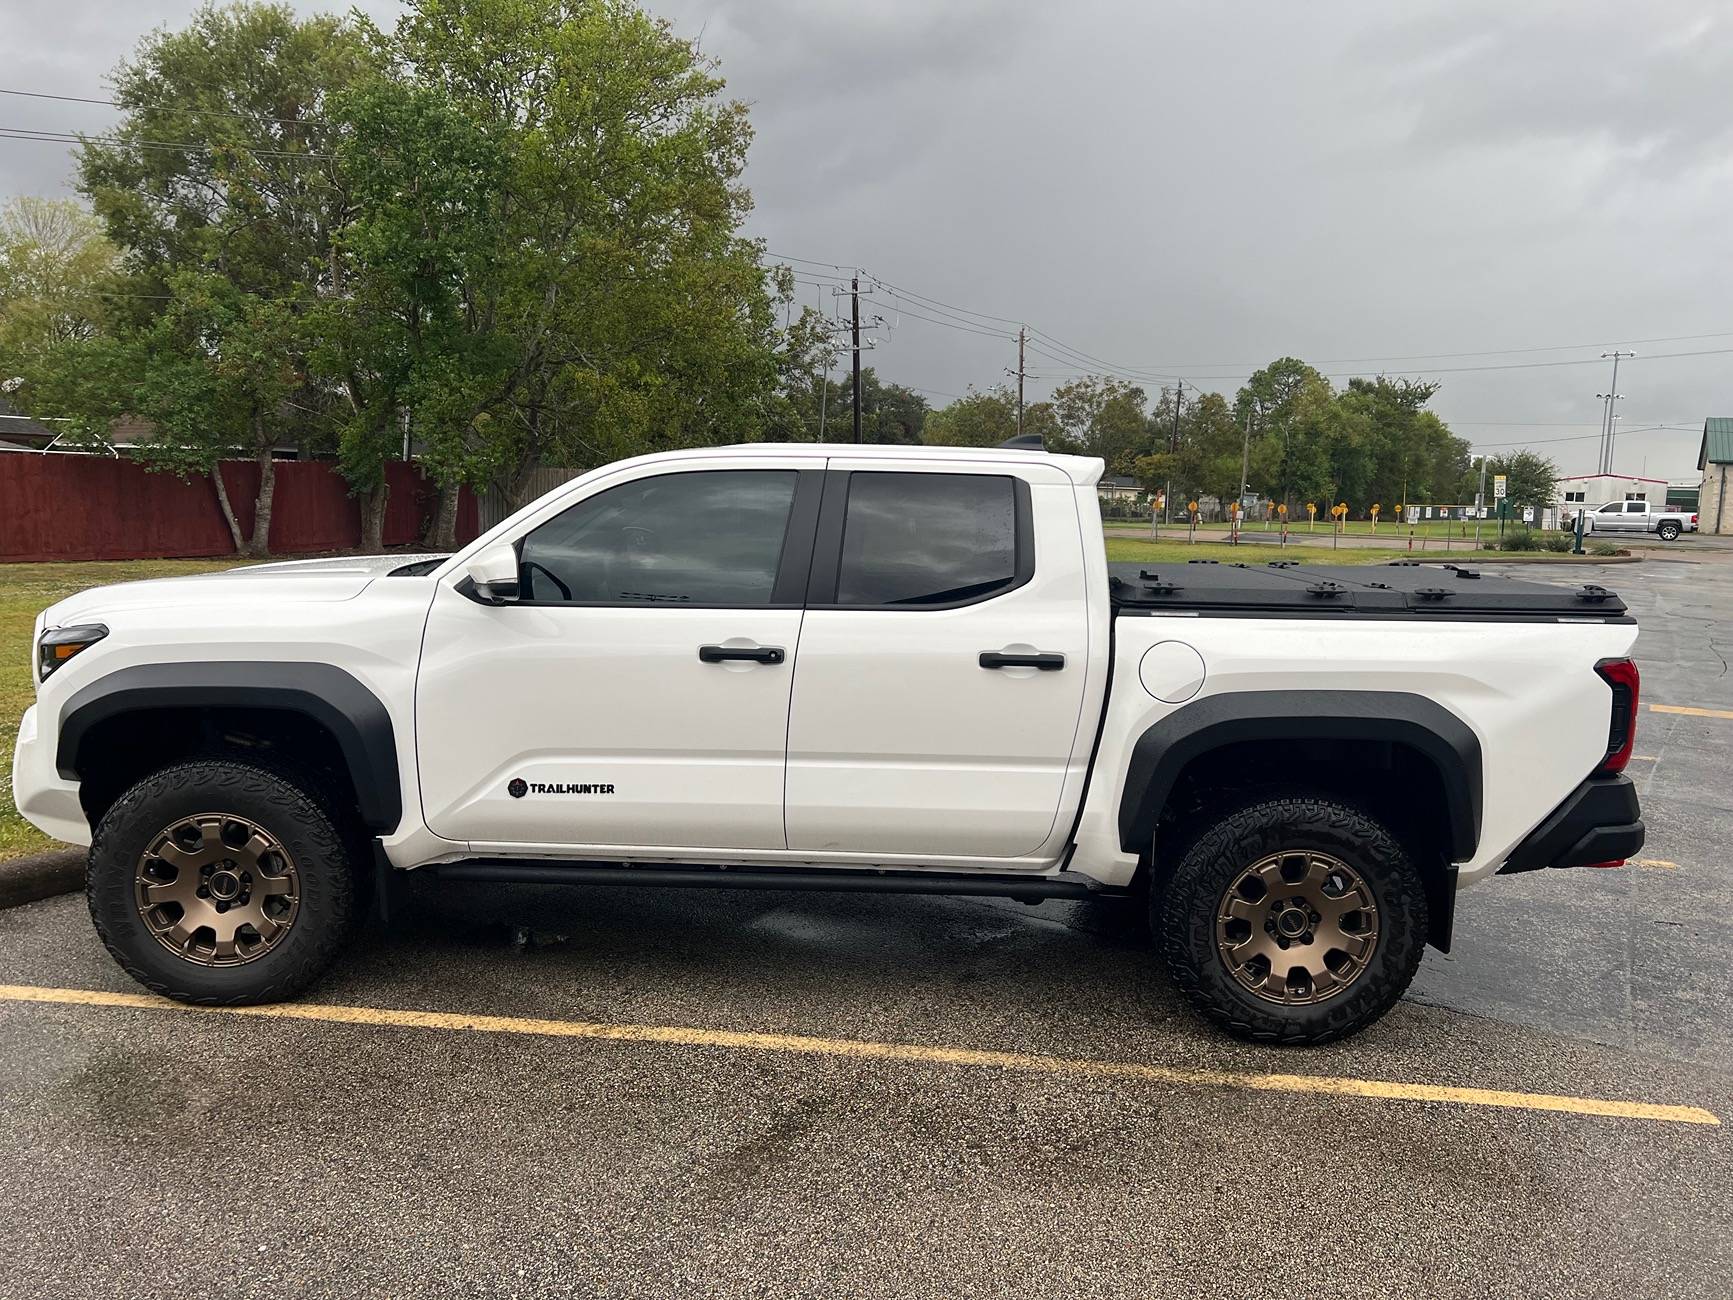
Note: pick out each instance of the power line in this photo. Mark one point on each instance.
(184, 146)
(208, 112)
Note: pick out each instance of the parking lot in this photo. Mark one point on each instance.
(638, 1092)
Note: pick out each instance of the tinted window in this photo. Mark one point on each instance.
(926, 539)
(711, 538)
(1615, 509)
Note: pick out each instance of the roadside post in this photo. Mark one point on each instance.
(1374, 513)
(1282, 512)
(1582, 514)
(1499, 483)
(1191, 522)
(1156, 506)
(1311, 516)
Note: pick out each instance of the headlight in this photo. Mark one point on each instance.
(56, 647)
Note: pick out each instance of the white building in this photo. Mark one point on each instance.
(1577, 491)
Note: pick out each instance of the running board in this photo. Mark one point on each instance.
(1065, 884)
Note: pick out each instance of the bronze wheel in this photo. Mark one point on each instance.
(1297, 927)
(217, 889)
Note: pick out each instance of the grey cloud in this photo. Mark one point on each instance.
(1170, 186)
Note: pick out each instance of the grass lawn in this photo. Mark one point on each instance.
(1250, 552)
(25, 590)
(1398, 533)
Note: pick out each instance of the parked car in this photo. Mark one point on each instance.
(838, 668)
(1637, 517)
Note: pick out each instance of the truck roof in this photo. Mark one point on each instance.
(1082, 470)
(1400, 589)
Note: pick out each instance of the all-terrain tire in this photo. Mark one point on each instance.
(1184, 917)
(300, 822)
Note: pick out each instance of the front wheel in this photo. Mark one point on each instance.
(1668, 532)
(220, 883)
(1293, 920)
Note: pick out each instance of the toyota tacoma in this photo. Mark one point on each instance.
(839, 668)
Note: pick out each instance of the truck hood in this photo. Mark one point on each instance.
(296, 581)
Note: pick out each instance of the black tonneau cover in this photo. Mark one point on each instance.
(1402, 589)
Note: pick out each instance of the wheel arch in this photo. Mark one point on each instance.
(320, 699)
(1405, 756)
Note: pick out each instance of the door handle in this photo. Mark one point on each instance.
(1047, 663)
(760, 654)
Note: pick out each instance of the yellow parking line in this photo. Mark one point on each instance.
(1661, 863)
(1690, 712)
(912, 1053)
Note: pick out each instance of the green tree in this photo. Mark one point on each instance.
(54, 266)
(1531, 479)
(1102, 416)
(226, 240)
(890, 413)
(979, 418)
(610, 305)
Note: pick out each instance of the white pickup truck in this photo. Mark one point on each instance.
(1637, 517)
(840, 668)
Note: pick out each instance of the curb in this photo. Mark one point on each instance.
(1517, 557)
(42, 875)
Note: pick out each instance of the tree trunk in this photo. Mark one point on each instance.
(373, 519)
(441, 532)
(261, 540)
(228, 508)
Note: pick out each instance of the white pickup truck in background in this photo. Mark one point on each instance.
(1637, 517)
(842, 668)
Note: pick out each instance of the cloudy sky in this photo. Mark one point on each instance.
(1489, 193)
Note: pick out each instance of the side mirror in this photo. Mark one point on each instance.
(495, 573)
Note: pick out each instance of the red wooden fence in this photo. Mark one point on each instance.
(72, 507)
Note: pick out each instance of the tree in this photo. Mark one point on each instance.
(1208, 460)
(1102, 416)
(609, 304)
(54, 264)
(1531, 479)
(979, 418)
(890, 413)
(227, 240)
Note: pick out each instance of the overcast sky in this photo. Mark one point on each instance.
(1192, 189)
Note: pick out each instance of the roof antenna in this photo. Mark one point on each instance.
(1025, 442)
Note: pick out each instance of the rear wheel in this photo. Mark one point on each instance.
(221, 882)
(1293, 920)
(1668, 532)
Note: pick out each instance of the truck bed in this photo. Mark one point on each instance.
(1402, 589)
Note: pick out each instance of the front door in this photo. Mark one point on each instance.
(1610, 518)
(636, 693)
(942, 663)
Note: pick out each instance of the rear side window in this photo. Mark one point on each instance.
(928, 539)
(707, 538)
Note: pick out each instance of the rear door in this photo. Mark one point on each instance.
(940, 681)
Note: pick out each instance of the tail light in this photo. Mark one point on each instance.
(1693, 521)
(1621, 675)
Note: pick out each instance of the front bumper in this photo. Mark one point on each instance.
(1600, 822)
(47, 800)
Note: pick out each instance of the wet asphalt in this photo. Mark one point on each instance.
(148, 1152)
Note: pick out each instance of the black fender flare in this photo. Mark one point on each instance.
(1164, 749)
(339, 703)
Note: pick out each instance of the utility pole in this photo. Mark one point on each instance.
(854, 296)
(1479, 501)
(1612, 395)
(1022, 334)
(1246, 455)
(1173, 447)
